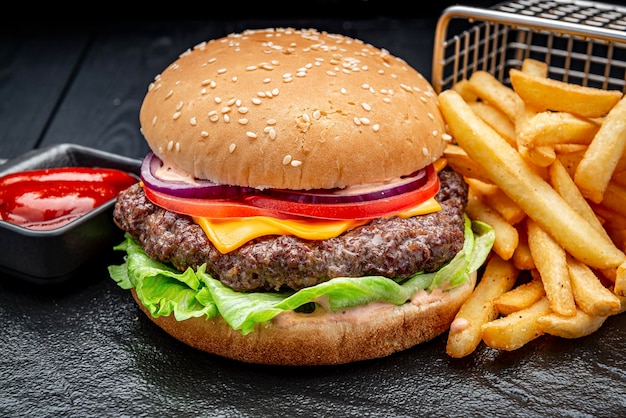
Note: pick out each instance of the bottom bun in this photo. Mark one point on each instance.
(355, 334)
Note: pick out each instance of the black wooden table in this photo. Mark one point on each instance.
(83, 348)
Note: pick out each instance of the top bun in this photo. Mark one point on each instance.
(292, 109)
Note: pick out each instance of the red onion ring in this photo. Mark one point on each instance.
(361, 193)
(203, 189)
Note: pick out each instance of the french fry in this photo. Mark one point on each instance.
(466, 329)
(496, 119)
(620, 280)
(535, 67)
(491, 90)
(465, 90)
(570, 160)
(507, 237)
(567, 148)
(520, 297)
(590, 294)
(579, 325)
(507, 169)
(522, 259)
(461, 163)
(615, 198)
(493, 196)
(565, 186)
(550, 260)
(548, 94)
(550, 128)
(514, 331)
(541, 156)
(548, 159)
(594, 171)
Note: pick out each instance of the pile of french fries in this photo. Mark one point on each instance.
(545, 161)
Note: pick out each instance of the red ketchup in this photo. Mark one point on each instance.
(50, 198)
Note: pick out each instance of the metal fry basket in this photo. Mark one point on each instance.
(582, 42)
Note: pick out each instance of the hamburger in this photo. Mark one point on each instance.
(294, 208)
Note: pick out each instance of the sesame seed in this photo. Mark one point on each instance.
(366, 106)
(431, 116)
(225, 109)
(177, 147)
(364, 121)
(425, 151)
(232, 147)
(286, 159)
(271, 121)
(221, 71)
(206, 82)
(317, 114)
(331, 73)
(154, 120)
(357, 121)
(296, 163)
(170, 145)
(226, 118)
(169, 94)
(179, 105)
(272, 133)
(423, 99)
(242, 110)
(193, 121)
(343, 91)
(204, 134)
(203, 92)
(256, 101)
(387, 100)
(231, 102)
(251, 135)
(176, 115)
(251, 67)
(218, 100)
(376, 127)
(446, 137)
(243, 121)
(267, 80)
(435, 133)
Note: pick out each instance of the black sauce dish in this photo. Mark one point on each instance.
(52, 256)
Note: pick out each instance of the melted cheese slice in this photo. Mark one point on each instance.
(230, 234)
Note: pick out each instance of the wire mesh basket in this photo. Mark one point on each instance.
(582, 42)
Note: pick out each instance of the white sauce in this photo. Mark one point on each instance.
(354, 315)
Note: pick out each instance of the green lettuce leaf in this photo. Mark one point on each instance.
(164, 290)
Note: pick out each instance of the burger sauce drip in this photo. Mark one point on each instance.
(50, 198)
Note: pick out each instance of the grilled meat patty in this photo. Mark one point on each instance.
(393, 247)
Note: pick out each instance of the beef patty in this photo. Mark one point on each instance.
(392, 247)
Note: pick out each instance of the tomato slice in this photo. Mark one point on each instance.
(208, 208)
(260, 204)
(352, 210)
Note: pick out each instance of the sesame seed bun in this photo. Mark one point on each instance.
(293, 109)
(355, 334)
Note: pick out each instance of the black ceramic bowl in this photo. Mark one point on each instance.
(52, 256)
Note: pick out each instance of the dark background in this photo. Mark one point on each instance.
(82, 348)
